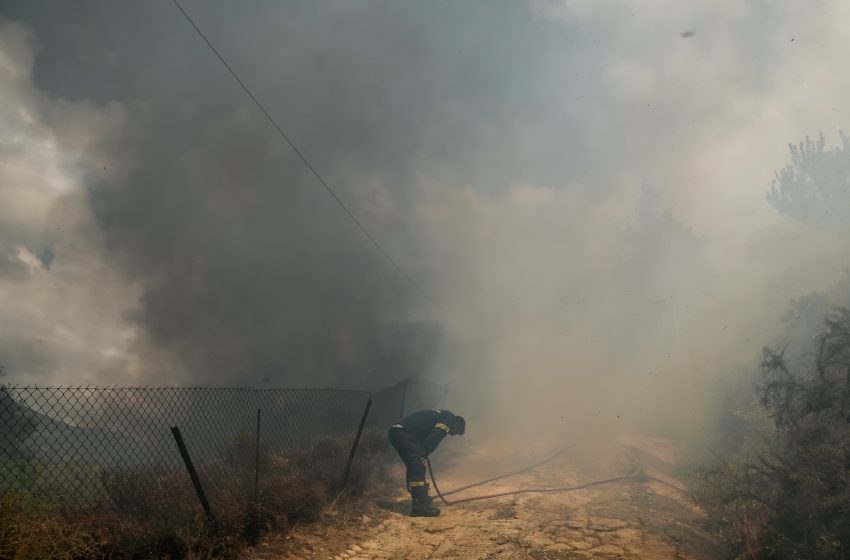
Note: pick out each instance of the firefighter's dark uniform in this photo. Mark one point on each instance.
(416, 436)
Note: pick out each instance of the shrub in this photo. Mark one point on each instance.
(793, 489)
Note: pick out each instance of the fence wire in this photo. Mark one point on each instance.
(83, 447)
(390, 404)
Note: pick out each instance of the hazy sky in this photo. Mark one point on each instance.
(580, 184)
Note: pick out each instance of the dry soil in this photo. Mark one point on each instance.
(624, 520)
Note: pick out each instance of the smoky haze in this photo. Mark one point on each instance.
(582, 186)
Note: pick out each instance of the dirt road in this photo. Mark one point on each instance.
(650, 520)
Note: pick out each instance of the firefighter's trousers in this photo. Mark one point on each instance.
(412, 456)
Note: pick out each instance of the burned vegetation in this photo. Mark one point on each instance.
(785, 494)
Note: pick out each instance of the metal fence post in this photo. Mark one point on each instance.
(356, 443)
(403, 399)
(193, 475)
(257, 461)
(253, 525)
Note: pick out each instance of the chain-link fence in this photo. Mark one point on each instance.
(80, 447)
(83, 448)
(390, 404)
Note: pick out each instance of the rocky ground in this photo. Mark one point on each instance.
(650, 520)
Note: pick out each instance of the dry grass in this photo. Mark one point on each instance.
(162, 519)
(36, 533)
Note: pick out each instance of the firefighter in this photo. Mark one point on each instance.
(415, 437)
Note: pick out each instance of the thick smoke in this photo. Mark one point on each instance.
(582, 186)
(62, 302)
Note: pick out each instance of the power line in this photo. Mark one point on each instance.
(304, 159)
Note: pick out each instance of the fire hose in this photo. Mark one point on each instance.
(635, 477)
(501, 476)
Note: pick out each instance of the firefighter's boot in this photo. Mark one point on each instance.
(423, 504)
